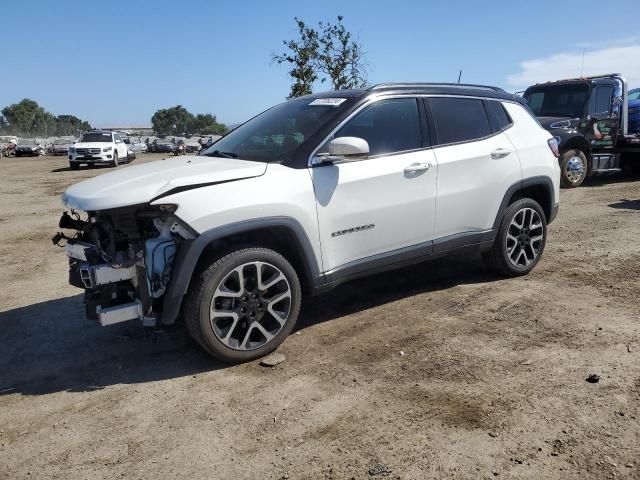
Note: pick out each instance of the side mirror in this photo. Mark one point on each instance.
(345, 149)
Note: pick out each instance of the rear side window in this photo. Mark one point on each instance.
(388, 126)
(459, 119)
(498, 116)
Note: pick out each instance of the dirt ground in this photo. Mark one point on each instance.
(438, 370)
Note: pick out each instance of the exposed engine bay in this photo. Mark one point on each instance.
(123, 259)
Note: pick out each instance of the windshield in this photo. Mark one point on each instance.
(96, 137)
(276, 133)
(61, 141)
(634, 94)
(558, 100)
(24, 141)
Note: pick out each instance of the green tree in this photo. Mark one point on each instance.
(340, 57)
(172, 121)
(301, 55)
(28, 118)
(70, 125)
(207, 123)
(327, 53)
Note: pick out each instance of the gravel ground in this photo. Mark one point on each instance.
(438, 370)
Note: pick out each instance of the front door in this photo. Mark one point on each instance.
(602, 123)
(384, 203)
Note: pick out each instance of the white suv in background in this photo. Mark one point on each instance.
(98, 147)
(311, 193)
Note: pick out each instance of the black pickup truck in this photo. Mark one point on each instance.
(589, 117)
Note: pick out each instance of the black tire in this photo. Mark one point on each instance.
(201, 294)
(115, 159)
(497, 258)
(569, 174)
(74, 165)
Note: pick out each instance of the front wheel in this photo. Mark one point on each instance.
(244, 304)
(520, 239)
(574, 168)
(115, 159)
(74, 165)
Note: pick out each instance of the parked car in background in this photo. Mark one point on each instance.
(163, 145)
(29, 147)
(375, 179)
(192, 145)
(136, 145)
(8, 145)
(634, 110)
(60, 146)
(98, 147)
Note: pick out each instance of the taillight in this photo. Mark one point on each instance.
(553, 145)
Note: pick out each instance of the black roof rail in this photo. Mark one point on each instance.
(427, 84)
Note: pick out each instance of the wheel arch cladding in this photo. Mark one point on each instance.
(538, 188)
(282, 234)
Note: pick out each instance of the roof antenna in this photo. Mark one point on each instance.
(459, 76)
(582, 65)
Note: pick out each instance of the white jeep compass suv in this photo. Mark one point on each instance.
(311, 193)
(98, 148)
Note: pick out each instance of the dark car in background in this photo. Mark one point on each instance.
(28, 147)
(162, 145)
(634, 110)
(60, 146)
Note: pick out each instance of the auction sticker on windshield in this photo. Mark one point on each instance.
(328, 101)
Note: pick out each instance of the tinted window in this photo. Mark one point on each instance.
(497, 115)
(459, 119)
(277, 133)
(600, 101)
(96, 137)
(557, 100)
(388, 126)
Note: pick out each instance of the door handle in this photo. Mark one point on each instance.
(417, 167)
(500, 153)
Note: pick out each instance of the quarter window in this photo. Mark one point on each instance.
(388, 126)
(459, 119)
(497, 115)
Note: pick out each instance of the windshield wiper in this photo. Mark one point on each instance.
(218, 153)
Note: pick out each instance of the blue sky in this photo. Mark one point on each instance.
(117, 62)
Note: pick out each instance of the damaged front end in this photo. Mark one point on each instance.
(123, 259)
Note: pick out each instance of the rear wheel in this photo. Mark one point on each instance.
(244, 304)
(574, 168)
(520, 239)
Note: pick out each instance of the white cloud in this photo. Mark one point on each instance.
(616, 59)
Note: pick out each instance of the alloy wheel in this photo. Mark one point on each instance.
(250, 306)
(524, 237)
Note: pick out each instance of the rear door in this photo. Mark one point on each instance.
(477, 163)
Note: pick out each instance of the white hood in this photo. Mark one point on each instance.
(92, 144)
(142, 183)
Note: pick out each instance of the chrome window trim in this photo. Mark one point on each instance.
(382, 96)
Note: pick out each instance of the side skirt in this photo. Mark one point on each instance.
(464, 243)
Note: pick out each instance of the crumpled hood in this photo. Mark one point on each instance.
(142, 183)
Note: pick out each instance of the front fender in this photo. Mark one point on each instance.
(190, 252)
